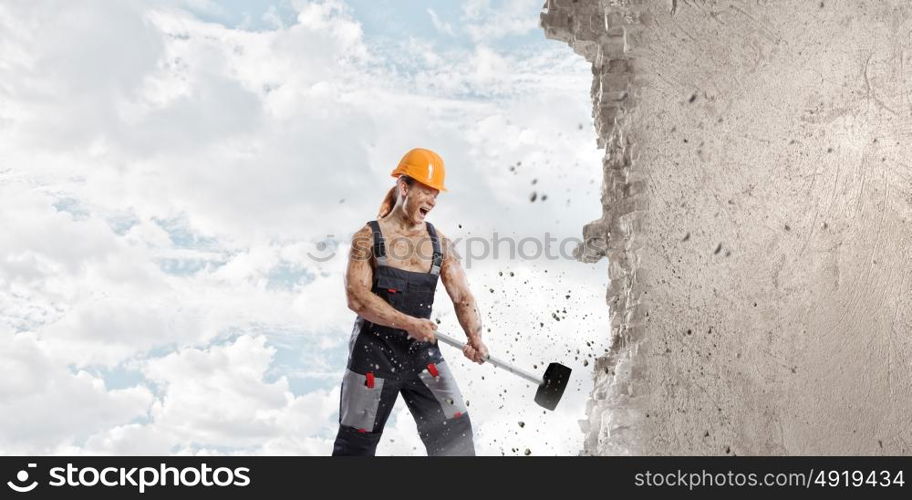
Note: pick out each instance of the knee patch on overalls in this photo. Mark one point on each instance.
(440, 381)
(360, 400)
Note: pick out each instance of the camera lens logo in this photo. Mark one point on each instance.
(22, 477)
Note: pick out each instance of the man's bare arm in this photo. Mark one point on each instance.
(457, 286)
(367, 304)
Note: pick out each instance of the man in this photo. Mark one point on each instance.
(392, 274)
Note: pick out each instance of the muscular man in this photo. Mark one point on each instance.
(392, 274)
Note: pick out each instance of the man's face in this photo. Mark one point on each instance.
(419, 200)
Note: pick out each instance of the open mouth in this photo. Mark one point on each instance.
(424, 211)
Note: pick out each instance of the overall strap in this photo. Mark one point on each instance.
(438, 255)
(379, 247)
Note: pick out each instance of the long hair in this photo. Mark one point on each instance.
(389, 201)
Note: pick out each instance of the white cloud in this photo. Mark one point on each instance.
(217, 396)
(509, 17)
(216, 401)
(67, 67)
(36, 390)
(441, 26)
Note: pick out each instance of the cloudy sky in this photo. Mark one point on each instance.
(178, 183)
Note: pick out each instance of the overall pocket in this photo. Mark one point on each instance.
(360, 400)
(393, 290)
(440, 381)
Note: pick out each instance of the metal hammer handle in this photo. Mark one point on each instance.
(494, 361)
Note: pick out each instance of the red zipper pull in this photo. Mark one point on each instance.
(370, 380)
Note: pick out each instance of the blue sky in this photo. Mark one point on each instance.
(385, 20)
(157, 284)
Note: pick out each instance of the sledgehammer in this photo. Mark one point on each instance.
(550, 387)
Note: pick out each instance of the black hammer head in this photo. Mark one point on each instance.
(549, 393)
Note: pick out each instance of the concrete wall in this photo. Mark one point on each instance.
(758, 223)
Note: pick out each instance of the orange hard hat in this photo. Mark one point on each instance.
(423, 165)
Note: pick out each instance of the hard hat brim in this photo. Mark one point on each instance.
(439, 188)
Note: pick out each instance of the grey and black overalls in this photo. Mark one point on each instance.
(384, 362)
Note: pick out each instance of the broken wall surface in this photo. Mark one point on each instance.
(757, 221)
